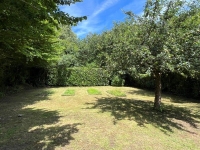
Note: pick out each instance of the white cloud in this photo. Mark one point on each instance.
(137, 7)
(87, 26)
(93, 22)
(104, 6)
(92, 9)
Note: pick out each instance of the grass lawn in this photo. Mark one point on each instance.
(92, 91)
(116, 92)
(44, 119)
(69, 92)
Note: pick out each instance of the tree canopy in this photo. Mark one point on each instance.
(29, 31)
(164, 39)
(169, 38)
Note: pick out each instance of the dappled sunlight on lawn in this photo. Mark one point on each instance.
(25, 126)
(142, 112)
(44, 119)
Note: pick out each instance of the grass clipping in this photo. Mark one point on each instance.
(92, 91)
(117, 93)
(69, 92)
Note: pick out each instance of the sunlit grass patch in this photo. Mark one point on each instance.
(118, 93)
(69, 92)
(92, 91)
(52, 121)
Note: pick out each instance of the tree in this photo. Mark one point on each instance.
(168, 35)
(88, 50)
(69, 47)
(164, 39)
(29, 31)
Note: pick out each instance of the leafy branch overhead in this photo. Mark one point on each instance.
(29, 29)
(29, 38)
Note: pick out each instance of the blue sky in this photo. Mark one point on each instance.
(101, 14)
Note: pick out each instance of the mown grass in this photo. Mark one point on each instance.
(117, 93)
(48, 121)
(92, 91)
(69, 92)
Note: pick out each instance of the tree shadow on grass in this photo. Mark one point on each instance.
(166, 95)
(24, 128)
(142, 113)
(141, 92)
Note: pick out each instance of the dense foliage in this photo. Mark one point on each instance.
(77, 76)
(172, 82)
(29, 31)
(165, 39)
(38, 47)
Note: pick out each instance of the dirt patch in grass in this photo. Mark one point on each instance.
(43, 119)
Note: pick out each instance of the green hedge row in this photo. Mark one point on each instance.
(79, 76)
(178, 84)
(172, 82)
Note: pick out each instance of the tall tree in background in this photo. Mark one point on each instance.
(169, 36)
(88, 53)
(29, 30)
(69, 47)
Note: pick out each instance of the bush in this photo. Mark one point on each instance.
(117, 81)
(176, 83)
(179, 84)
(145, 81)
(79, 76)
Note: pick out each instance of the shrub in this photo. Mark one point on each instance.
(79, 76)
(117, 81)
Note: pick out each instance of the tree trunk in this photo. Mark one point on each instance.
(157, 101)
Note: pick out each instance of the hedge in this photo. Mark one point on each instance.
(78, 76)
(172, 82)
